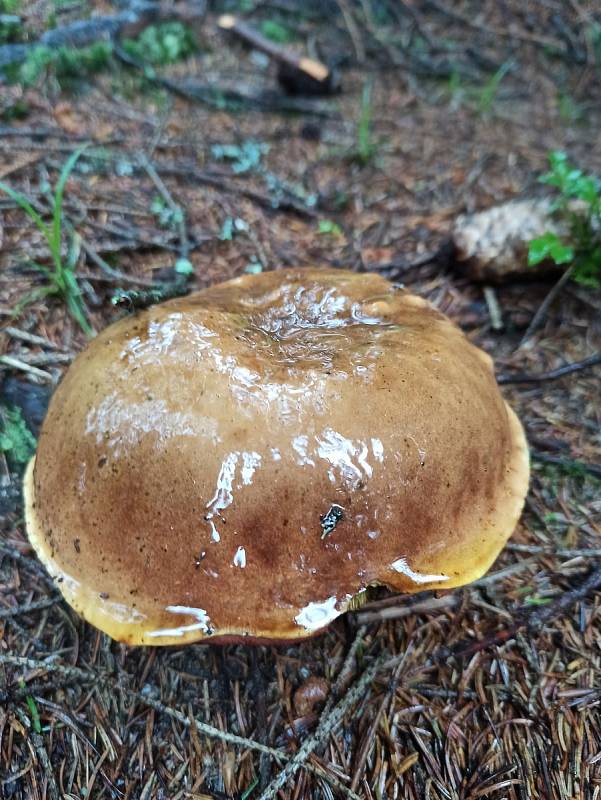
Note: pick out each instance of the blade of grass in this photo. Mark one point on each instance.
(24, 203)
(365, 146)
(75, 308)
(489, 90)
(57, 210)
(33, 710)
(31, 297)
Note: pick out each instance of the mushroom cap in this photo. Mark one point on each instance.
(245, 460)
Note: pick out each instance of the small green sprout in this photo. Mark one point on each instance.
(65, 63)
(62, 281)
(183, 266)
(488, 93)
(167, 217)
(366, 148)
(36, 723)
(327, 227)
(276, 32)
(578, 207)
(244, 157)
(254, 266)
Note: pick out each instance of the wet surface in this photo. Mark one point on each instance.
(252, 456)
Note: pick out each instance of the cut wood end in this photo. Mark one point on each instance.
(227, 21)
(315, 69)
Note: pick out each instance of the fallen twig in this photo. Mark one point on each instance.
(540, 315)
(30, 338)
(508, 32)
(582, 552)
(297, 74)
(132, 300)
(6, 613)
(115, 274)
(567, 369)
(76, 674)
(327, 723)
(282, 204)
(216, 96)
(533, 622)
(37, 375)
(46, 359)
(398, 612)
(42, 754)
(177, 210)
(494, 309)
(353, 29)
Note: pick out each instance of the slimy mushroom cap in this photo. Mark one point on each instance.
(244, 461)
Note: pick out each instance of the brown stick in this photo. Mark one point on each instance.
(575, 366)
(541, 313)
(316, 77)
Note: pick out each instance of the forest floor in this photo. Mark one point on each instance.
(445, 108)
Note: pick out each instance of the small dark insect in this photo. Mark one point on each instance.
(331, 519)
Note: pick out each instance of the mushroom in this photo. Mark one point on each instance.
(245, 461)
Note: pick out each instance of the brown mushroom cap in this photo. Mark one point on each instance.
(245, 460)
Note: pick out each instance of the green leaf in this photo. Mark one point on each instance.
(276, 32)
(539, 248)
(253, 267)
(587, 271)
(227, 230)
(562, 253)
(33, 709)
(327, 227)
(549, 246)
(365, 146)
(22, 201)
(157, 205)
(35, 716)
(184, 267)
(16, 440)
(164, 43)
(537, 601)
(249, 790)
(588, 189)
(244, 158)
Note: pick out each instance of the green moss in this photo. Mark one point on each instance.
(162, 44)
(65, 63)
(276, 32)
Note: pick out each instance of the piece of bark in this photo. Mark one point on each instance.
(492, 245)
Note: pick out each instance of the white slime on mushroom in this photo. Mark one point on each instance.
(240, 558)
(315, 615)
(347, 458)
(148, 416)
(203, 623)
(401, 565)
(224, 494)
